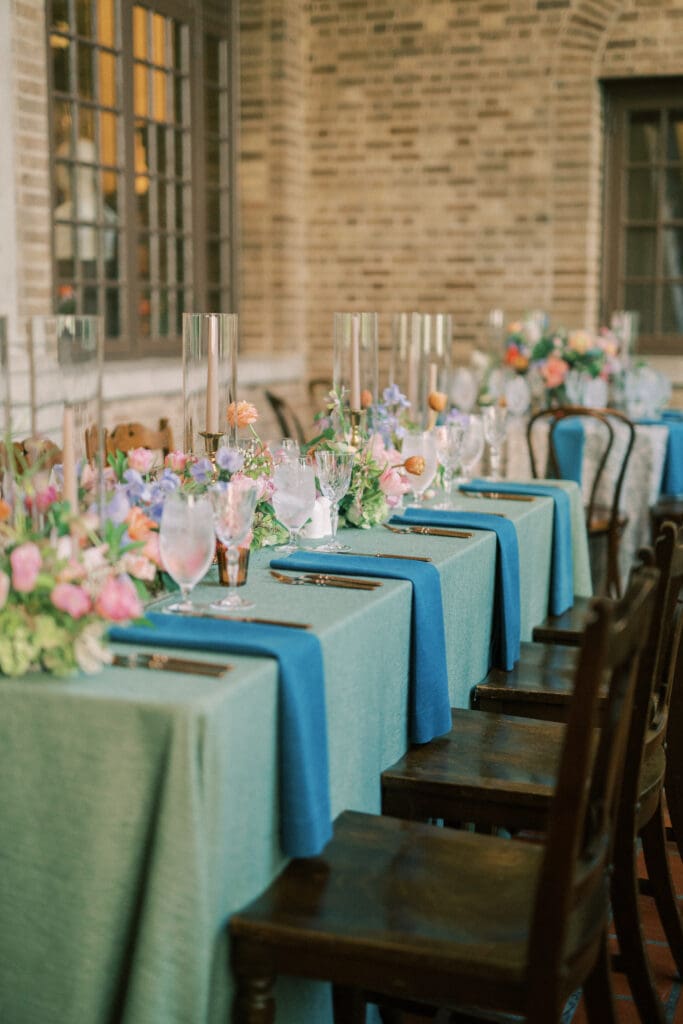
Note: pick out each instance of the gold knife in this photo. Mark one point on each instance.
(498, 496)
(428, 531)
(170, 663)
(377, 554)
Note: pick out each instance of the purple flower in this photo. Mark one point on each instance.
(137, 487)
(394, 396)
(118, 507)
(455, 416)
(229, 459)
(202, 471)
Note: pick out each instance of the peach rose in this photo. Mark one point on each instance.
(554, 371)
(139, 525)
(25, 561)
(118, 600)
(176, 461)
(141, 459)
(414, 464)
(73, 600)
(242, 414)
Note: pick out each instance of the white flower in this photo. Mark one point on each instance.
(89, 650)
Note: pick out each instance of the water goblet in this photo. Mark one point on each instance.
(422, 443)
(293, 498)
(186, 543)
(495, 428)
(233, 512)
(449, 440)
(472, 447)
(334, 476)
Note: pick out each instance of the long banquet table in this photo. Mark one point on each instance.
(139, 808)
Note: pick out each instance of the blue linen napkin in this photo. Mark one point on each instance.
(506, 632)
(672, 471)
(562, 567)
(429, 708)
(304, 772)
(569, 439)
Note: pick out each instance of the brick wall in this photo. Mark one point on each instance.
(452, 154)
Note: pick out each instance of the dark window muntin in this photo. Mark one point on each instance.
(202, 23)
(622, 99)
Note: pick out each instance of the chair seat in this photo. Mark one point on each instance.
(539, 686)
(370, 904)
(566, 628)
(600, 521)
(489, 765)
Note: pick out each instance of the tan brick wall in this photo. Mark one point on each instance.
(452, 157)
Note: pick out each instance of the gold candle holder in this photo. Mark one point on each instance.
(211, 444)
(242, 565)
(355, 415)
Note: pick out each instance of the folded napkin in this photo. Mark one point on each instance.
(672, 471)
(568, 439)
(429, 709)
(672, 414)
(304, 775)
(505, 637)
(562, 567)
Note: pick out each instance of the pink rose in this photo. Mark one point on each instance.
(71, 599)
(392, 483)
(176, 461)
(140, 459)
(4, 588)
(25, 562)
(554, 371)
(118, 600)
(46, 498)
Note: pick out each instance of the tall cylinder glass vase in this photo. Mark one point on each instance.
(209, 380)
(355, 368)
(421, 363)
(66, 355)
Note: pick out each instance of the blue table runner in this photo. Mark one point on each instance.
(562, 565)
(306, 820)
(506, 632)
(429, 712)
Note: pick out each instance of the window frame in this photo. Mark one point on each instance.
(621, 97)
(202, 18)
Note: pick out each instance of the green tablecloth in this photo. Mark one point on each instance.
(139, 808)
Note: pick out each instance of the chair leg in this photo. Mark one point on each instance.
(597, 990)
(254, 1002)
(629, 933)
(348, 1005)
(653, 836)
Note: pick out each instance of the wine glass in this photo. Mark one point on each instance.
(449, 439)
(186, 543)
(472, 447)
(293, 498)
(421, 443)
(233, 512)
(334, 476)
(495, 427)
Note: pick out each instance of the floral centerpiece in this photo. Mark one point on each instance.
(62, 583)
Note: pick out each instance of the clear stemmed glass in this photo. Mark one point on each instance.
(472, 447)
(495, 427)
(421, 443)
(233, 512)
(293, 498)
(186, 543)
(334, 476)
(449, 440)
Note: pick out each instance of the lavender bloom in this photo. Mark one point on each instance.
(455, 416)
(118, 507)
(137, 488)
(394, 396)
(229, 459)
(202, 471)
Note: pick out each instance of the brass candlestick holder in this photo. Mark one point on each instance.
(211, 443)
(355, 415)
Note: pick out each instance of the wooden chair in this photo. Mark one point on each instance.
(32, 451)
(666, 509)
(395, 911)
(603, 520)
(126, 436)
(288, 421)
(658, 723)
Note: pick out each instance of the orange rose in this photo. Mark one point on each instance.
(5, 511)
(139, 525)
(437, 400)
(242, 414)
(365, 399)
(415, 464)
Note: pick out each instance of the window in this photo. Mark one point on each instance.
(142, 136)
(643, 250)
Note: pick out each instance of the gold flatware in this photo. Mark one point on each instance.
(200, 614)
(380, 554)
(427, 531)
(170, 663)
(322, 580)
(498, 496)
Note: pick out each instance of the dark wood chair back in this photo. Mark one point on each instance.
(287, 420)
(31, 452)
(602, 509)
(575, 873)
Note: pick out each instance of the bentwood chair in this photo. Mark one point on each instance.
(613, 435)
(287, 420)
(399, 912)
(125, 436)
(535, 692)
